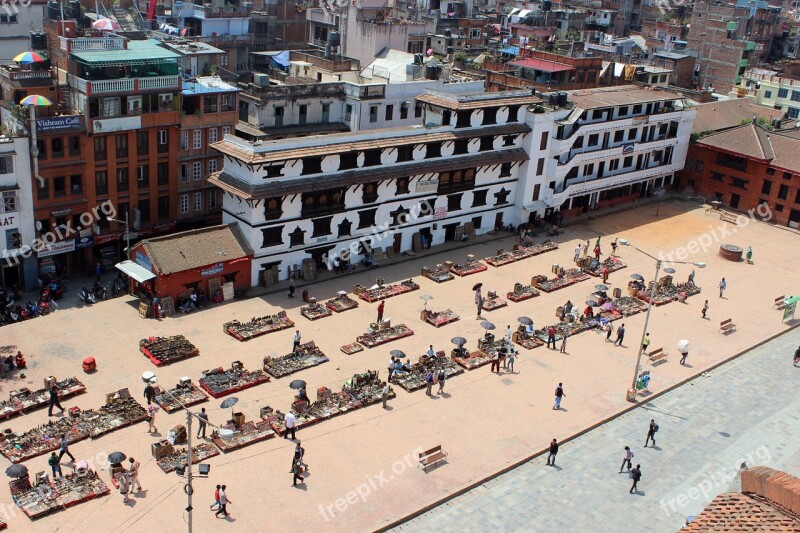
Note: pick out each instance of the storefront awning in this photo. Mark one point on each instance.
(137, 272)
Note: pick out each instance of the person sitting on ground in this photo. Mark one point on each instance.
(193, 301)
(568, 307)
(19, 360)
(217, 298)
(407, 366)
(588, 312)
(9, 362)
(202, 299)
(301, 395)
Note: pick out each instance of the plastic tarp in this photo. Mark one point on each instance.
(281, 60)
(510, 50)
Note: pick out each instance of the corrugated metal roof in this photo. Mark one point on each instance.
(542, 64)
(136, 51)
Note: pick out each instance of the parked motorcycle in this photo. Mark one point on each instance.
(44, 308)
(87, 297)
(99, 290)
(55, 290)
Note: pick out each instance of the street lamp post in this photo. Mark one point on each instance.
(631, 396)
(127, 234)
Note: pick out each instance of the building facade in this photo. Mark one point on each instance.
(770, 89)
(18, 263)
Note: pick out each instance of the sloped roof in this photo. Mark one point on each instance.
(715, 116)
(741, 513)
(477, 100)
(773, 147)
(196, 248)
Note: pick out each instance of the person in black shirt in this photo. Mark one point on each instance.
(552, 454)
(54, 401)
(651, 433)
(636, 475)
(149, 393)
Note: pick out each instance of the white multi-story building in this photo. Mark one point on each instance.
(16, 214)
(606, 146)
(17, 21)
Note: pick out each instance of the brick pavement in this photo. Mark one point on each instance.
(745, 410)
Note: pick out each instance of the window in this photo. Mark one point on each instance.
(7, 164)
(273, 209)
(9, 204)
(101, 182)
(322, 226)
(787, 175)
(637, 109)
(454, 202)
(144, 211)
(486, 144)
(433, 150)
(162, 169)
(345, 227)
(779, 208)
(402, 186)
(8, 18)
(613, 165)
(348, 112)
(134, 105)
(479, 198)
(122, 180)
(297, 237)
(698, 167)
(404, 111)
(456, 181)
(370, 192)
(795, 96)
(505, 170)
(303, 114)
(198, 201)
(110, 107)
(766, 187)
(185, 176)
(57, 147)
(389, 115)
(326, 112)
(540, 166)
(100, 148)
(59, 187)
(739, 183)
(508, 140)
(792, 112)
(142, 143)
(783, 93)
(366, 218)
(184, 140)
(588, 170)
(593, 139)
(226, 130)
(767, 94)
(689, 164)
(210, 103)
(501, 197)
(373, 113)
(184, 204)
(228, 103)
(623, 111)
(197, 139)
(163, 207)
(74, 145)
(513, 113)
(212, 166)
(143, 175)
(619, 136)
(163, 141)
(212, 135)
(43, 189)
(627, 162)
(212, 199)
(632, 134)
(783, 192)
(197, 170)
(418, 110)
(272, 236)
(716, 176)
(13, 239)
(543, 140)
(122, 146)
(165, 102)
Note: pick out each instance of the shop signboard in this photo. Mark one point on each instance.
(427, 186)
(60, 212)
(789, 307)
(117, 124)
(440, 213)
(215, 269)
(107, 237)
(84, 242)
(143, 261)
(57, 248)
(59, 124)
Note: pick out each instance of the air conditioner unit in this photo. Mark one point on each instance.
(262, 80)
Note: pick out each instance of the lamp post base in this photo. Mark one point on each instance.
(631, 395)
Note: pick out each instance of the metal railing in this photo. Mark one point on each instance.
(78, 83)
(111, 86)
(159, 82)
(92, 43)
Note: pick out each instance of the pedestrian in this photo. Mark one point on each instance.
(299, 453)
(586, 249)
(429, 382)
(54, 401)
(216, 497)
(133, 472)
(65, 449)
(512, 355)
(297, 472)
(391, 368)
(564, 342)
(223, 502)
(614, 247)
(620, 335)
(551, 457)
(577, 253)
(598, 241)
(605, 274)
(296, 341)
(203, 421)
(291, 287)
(797, 356)
(684, 355)
(495, 362)
(651, 433)
(380, 311)
(646, 342)
(636, 475)
(705, 308)
(559, 395)
(551, 336)
(509, 334)
(480, 305)
(98, 270)
(597, 252)
(609, 329)
(149, 393)
(690, 281)
(124, 484)
(441, 377)
(55, 465)
(477, 294)
(626, 459)
(151, 418)
(291, 425)
(722, 286)
(385, 394)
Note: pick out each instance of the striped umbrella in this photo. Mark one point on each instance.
(35, 99)
(105, 24)
(29, 57)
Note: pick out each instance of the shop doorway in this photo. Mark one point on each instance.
(426, 232)
(498, 221)
(735, 201)
(398, 241)
(11, 276)
(450, 232)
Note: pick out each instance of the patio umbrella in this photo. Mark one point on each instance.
(29, 57)
(591, 303)
(637, 277)
(225, 434)
(683, 346)
(459, 341)
(230, 402)
(670, 270)
(116, 458)
(426, 298)
(105, 24)
(17, 471)
(35, 99)
(601, 287)
(397, 353)
(477, 286)
(297, 384)
(525, 321)
(608, 306)
(488, 326)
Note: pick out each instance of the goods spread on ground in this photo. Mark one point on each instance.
(595, 268)
(186, 392)
(522, 292)
(314, 310)
(341, 303)
(175, 457)
(569, 327)
(243, 435)
(415, 379)
(471, 266)
(166, 350)
(440, 318)
(502, 258)
(23, 400)
(382, 336)
(525, 340)
(120, 411)
(439, 274)
(522, 251)
(220, 382)
(305, 356)
(350, 349)
(59, 493)
(387, 291)
(565, 278)
(492, 302)
(244, 331)
(625, 306)
(472, 360)
(667, 292)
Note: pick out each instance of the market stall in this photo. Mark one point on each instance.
(39, 398)
(440, 273)
(167, 350)
(257, 326)
(469, 267)
(493, 302)
(522, 292)
(526, 338)
(564, 278)
(472, 360)
(666, 291)
(415, 379)
(314, 310)
(501, 258)
(439, 319)
(186, 392)
(120, 411)
(350, 349)
(305, 356)
(593, 267)
(170, 458)
(571, 326)
(523, 251)
(9, 408)
(382, 292)
(45, 438)
(48, 496)
(220, 382)
(375, 336)
(243, 435)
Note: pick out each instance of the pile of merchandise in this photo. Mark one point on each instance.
(171, 460)
(441, 318)
(244, 331)
(473, 360)
(24, 400)
(472, 266)
(595, 268)
(341, 303)
(440, 274)
(315, 311)
(220, 382)
(187, 393)
(502, 258)
(387, 291)
(415, 380)
(492, 302)
(166, 350)
(382, 336)
(522, 292)
(306, 356)
(49, 496)
(569, 277)
(350, 349)
(243, 435)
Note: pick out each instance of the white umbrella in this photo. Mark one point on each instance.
(105, 24)
(683, 346)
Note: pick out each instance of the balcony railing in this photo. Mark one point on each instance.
(111, 86)
(125, 85)
(159, 82)
(78, 83)
(227, 40)
(92, 43)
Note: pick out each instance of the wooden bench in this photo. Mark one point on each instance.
(730, 218)
(431, 457)
(657, 355)
(727, 325)
(780, 302)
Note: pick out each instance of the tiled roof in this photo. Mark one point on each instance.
(614, 96)
(197, 248)
(715, 116)
(328, 145)
(282, 187)
(741, 513)
(752, 141)
(478, 101)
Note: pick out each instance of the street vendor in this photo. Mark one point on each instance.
(19, 361)
(301, 395)
(588, 312)
(407, 366)
(568, 307)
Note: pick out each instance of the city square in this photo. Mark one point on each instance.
(365, 473)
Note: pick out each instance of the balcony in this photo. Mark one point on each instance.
(188, 9)
(92, 43)
(227, 41)
(319, 15)
(125, 85)
(30, 78)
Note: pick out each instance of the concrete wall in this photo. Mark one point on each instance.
(21, 219)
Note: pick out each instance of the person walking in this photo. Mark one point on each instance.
(297, 472)
(124, 484)
(296, 339)
(705, 308)
(495, 362)
(559, 394)
(299, 453)
(55, 465)
(651, 433)
(133, 473)
(722, 286)
(586, 249)
(564, 342)
(646, 342)
(429, 382)
(201, 428)
(597, 252)
(577, 253)
(385, 394)
(216, 497)
(614, 247)
(690, 280)
(636, 475)
(291, 425)
(620, 335)
(684, 355)
(509, 334)
(65, 449)
(291, 287)
(381, 305)
(53, 401)
(441, 377)
(551, 456)
(605, 274)
(609, 330)
(149, 393)
(512, 356)
(480, 306)
(98, 271)
(223, 502)
(151, 418)
(797, 356)
(551, 336)
(626, 459)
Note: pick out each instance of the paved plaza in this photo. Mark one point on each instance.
(363, 473)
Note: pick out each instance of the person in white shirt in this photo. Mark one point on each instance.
(296, 341)
(133, 472)
(431, 352)
(508, 334)
(577, 253)
(626, 459)
(385, 393)
(290, 422)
